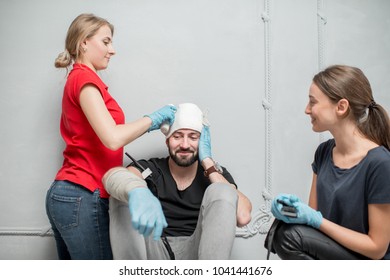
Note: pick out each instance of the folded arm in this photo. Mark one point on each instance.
(244, 206)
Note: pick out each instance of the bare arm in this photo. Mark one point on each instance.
(244, 209)
(244, 206)
(313, 193)
(374, 244)
(113, 136)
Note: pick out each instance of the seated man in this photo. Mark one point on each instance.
(189, 202)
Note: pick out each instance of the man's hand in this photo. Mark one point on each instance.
(146, 212)
(204, 146)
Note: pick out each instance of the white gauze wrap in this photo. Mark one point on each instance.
(187, 116)
(120, 182)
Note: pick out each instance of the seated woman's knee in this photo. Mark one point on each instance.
(288, 241)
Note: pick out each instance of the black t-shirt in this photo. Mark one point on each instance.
(343, 195)
(181, 208)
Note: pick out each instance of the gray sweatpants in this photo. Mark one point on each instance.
(212, 239)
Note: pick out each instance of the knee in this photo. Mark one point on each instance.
(288, 241)
(221, 192)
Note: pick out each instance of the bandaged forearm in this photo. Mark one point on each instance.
(120, 182)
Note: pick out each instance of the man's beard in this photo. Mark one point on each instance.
(184, 161)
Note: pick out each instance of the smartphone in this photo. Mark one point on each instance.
(288, 210)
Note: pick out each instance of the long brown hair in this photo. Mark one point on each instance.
(83, 27)
(350, 83)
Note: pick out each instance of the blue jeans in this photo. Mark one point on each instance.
(80, 222)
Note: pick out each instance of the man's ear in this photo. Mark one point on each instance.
(166, 142)
(343, 107)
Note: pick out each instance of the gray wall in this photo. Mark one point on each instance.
(248, 62)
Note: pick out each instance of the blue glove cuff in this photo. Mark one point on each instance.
(317, 221)
(138, 190)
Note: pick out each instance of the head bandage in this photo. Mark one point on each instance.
(187, 116)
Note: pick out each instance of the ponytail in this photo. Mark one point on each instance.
(376, 125)
(63, 60)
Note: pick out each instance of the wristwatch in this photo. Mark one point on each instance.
(215, 168)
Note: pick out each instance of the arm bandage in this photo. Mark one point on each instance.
(120, 182)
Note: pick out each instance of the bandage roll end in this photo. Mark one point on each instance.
(165, 128)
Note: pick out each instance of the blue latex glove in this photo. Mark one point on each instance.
(146, 212)
(165, 114)
(204, 146)
(305, 214)
(276, 207)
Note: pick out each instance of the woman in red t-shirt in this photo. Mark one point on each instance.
(94, 130)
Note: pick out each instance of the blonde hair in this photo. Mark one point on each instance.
(83, 27)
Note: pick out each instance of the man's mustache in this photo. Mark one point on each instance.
(185, 150)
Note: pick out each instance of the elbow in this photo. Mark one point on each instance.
(244, 210)
(377, 258)
(112, 144)
(378, 255)
(377, 252)
(113, 147)
(243, 218)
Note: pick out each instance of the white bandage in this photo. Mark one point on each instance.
(187, 116)
(120, 182)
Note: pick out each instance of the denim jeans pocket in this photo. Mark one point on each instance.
(65, 210)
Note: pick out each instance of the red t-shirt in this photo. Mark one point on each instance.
(86, 159)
